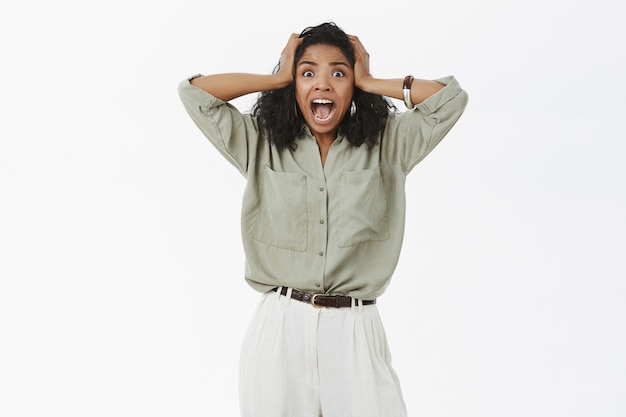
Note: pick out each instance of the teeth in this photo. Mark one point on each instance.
(320, 120)
(322, 101)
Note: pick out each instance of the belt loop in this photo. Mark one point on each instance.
(360, 303)
(278, 291)
(352, 304)
(288, 295)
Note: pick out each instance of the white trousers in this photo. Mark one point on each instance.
(302, 361)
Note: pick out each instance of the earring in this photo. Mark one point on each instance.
(295, 108)
(353, 108)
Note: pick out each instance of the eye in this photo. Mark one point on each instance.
(307, 73)
(338, 73)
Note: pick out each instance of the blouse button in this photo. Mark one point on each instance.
(321, 253)
(322, 189)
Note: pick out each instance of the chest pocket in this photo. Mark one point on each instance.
(281, 220)
(363, 208)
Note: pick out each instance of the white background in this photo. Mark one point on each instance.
(121, 266)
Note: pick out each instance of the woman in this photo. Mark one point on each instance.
(326, 156)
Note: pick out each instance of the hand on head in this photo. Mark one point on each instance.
(287, 56)
(362, 57)
(361, 66)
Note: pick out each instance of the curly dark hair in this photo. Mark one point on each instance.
(281, 121)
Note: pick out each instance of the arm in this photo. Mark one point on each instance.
(235, 135)
(227, 87)
(420, 89)
(412, 135)
(417, 132)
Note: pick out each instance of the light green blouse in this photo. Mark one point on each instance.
(337, 228)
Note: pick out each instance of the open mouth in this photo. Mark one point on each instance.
(323, 110)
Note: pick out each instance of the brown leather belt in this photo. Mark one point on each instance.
(323, 300)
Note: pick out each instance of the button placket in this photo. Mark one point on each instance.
(323, 230)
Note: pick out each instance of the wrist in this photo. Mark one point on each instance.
(281, 80)
(406, 91)
(366, 84)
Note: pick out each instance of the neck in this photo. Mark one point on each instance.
(324, 142)
(325, 138)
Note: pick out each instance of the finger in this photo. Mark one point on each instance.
(358, 46)
(294, 41)
(354, 39)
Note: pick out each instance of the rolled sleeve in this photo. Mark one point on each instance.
(415, 133)
(234, 134)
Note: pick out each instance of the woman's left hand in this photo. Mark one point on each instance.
(362, 64)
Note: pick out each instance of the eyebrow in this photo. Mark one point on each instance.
(332, 64)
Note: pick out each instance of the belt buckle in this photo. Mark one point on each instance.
(313, 298)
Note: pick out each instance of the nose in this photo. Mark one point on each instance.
(322, 84)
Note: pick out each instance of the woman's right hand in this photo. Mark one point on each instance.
(232, 85)
(286, 64)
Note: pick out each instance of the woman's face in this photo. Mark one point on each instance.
(324, 85)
